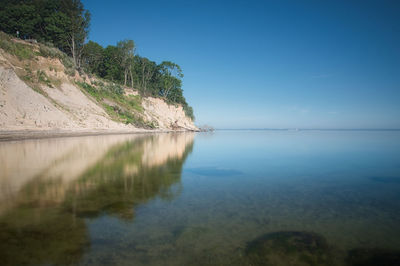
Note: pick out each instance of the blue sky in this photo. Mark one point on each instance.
(270, 64)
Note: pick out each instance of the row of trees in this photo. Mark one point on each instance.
(120, 64)
(65, 24)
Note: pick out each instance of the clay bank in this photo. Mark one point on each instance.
(42, 95)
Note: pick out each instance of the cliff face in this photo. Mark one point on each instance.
(166, 115)
(36, 93)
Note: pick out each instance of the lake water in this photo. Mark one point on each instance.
(223, 198)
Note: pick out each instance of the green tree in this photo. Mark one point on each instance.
(171, 77)
(92, 57)
(54, 27)
(65, 23)
(19, 16)
(127, 50)
(77, 28)
(146, 72)
(111, 66)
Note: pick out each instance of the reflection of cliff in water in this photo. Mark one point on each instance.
(126, 177)
(42, 216)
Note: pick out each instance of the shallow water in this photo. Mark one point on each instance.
(226, 198)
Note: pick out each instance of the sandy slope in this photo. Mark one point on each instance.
(66, 108)
(22, 108)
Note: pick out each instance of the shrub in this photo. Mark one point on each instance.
(70, 71)
(114, 88)
(91, 90)
(50, 52)
(188, 111)
(68, 64)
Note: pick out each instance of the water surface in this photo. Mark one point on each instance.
(227, 198)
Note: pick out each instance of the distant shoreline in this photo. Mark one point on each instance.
(309, 129)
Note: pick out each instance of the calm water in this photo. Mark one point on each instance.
(227, 198)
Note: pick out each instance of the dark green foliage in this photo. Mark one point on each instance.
(111, 65)
(127, 50)
(20, 16)
(147, 76)
(63, 23)
(77, 28)
(92, 57)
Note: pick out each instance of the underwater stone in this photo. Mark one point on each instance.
(288, 248)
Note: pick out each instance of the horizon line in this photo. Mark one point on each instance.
(314, 129)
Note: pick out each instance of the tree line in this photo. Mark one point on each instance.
(65, 24)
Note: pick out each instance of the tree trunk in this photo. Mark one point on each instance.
(143, 83)
(167, 92)
(130, 70)
(73, 49)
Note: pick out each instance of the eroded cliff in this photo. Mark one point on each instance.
(39, 90)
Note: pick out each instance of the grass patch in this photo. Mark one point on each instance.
(35, 79)
(43, 78)
(26, 52)
(125, 109)
(32, 80)
(22, 51)
(91, 90)
(28, 74)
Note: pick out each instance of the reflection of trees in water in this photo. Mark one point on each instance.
(121, 181)
(43, 229)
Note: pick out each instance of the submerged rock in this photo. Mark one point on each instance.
(288, 248)
(373, 257)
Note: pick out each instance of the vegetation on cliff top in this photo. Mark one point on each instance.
(64, 25)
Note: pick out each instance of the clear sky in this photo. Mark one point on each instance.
(270, 64)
